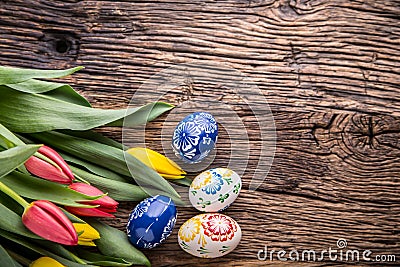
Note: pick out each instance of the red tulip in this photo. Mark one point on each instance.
(106, 204)
(61, 173)
(48, 221)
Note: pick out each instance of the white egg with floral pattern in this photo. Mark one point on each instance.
(209, 235)
(214, 190)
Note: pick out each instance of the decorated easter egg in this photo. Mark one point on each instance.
(151, 221)
(209, 235)
(215, 189)
(195, 137)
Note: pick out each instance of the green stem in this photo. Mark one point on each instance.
(24, 261)
(6, 144)
(11, 193)
(77, 259)
(80, 178)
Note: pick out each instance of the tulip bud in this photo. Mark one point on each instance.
(87, 234)
(105, 204)
(161, 164)
(46, 262)
(55, 169)
(48, 221)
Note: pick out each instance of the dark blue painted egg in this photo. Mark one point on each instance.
(151, 222)
(195, 137)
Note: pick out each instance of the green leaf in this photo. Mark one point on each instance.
(12, 222)
(95, 136)
(57, 90)
(4, 143)
(12, 158)
(72, 217)
(68, 94)
(18, 252)
(184, 181)
(111, 158)
(101, 260)
(8, 137)
(96, 169)
(9, 140)
(6, 260)
(25, 242)
(65, 115)
(54, 248)
(9, 75)
(36, 188)
(115, 243)
(35, 86)
(119, 191)
(11, 204)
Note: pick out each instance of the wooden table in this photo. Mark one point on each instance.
(330, 71)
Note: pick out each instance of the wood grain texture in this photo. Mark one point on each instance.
(329, 69)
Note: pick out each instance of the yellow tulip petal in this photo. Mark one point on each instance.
(141, 155)
(88, 234)
(168, 176)
(87, 243)
(46, 262)
(156, 161)
(175, 165)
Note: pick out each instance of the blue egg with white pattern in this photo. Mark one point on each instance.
(151, 222)
(195, 137)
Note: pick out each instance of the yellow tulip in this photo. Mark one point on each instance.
(161, 164)
(87, 234)
(46, 262)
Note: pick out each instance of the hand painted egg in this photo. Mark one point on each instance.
(215, 189)
(151, 222)
(195, 137)
(209, 235)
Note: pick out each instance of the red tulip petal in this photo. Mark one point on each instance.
(89, 212)
(54, 156)
(105, 202)
(46, 220)
(58, 215)
(46, 171)
(86, 189)
(109, 210)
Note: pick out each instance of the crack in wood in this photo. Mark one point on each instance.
(323, 127)
(297, 194)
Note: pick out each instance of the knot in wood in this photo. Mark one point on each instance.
(57, 43)
(361, 138)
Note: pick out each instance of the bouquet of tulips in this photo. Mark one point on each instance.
(57, 176)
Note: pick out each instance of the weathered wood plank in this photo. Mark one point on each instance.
(330, 72)
(303, 54)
